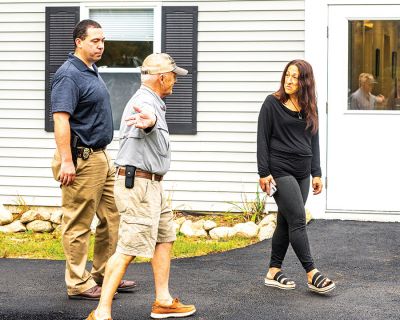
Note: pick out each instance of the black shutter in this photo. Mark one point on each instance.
(179, 39)
(60, 23)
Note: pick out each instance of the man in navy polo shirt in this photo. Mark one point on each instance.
(83, 127)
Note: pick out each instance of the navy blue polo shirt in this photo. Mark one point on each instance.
(81, 92)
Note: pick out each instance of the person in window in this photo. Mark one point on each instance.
(83, 127)
(287, 154)
(362, 98)
(144, 156)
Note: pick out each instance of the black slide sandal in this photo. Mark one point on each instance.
(320, 285)
(280, 281)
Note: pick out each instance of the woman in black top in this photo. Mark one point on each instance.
(287, 154)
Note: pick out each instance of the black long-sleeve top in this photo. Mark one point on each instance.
(284, 145)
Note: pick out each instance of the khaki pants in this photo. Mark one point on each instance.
(90, 194)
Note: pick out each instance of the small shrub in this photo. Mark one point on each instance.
(175, 210)
(252, 210)
(21, 207)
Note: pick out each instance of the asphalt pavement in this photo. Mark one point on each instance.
(363, 258)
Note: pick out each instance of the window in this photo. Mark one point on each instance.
(129, 39)
(373, 75)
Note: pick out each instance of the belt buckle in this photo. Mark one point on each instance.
(86, 153)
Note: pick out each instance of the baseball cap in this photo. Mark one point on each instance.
(159, 63)
(367, 77)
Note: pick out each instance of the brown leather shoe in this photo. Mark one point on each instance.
(90, 294)
(175, 310)
(126, 285)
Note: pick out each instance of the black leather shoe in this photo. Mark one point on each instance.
(126, 285)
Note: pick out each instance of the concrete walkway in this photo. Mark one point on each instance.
(362, 257)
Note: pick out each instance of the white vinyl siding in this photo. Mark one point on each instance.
(243, 47)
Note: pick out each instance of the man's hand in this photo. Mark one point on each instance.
(380, 98)
(143, 118)
(62, 133)
(67, 173)
(317, 185)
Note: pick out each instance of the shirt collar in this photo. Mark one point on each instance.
(79, 64)
(163, 106)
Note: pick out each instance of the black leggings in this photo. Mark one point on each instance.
(291, 222)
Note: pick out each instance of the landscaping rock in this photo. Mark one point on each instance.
(266, 232)
(56, 216)
(191, 229)
(39, 226)
(6, 216)
(198, 225)
(271, 217)
(247, 230)
(32, 215)
(222, 232)
(198, 228)
(15, 226)
(57, 228)
(209, 225)
(186, 228)
(180, 220)
(201, 233)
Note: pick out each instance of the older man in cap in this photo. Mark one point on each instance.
(362, 98)
(146, 228)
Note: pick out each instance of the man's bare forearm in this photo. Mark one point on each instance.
(62, 134)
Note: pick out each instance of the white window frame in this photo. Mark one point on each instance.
(85, 14)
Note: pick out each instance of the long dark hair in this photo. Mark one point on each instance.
(306, 94)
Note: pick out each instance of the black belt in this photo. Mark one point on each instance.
(85, 152)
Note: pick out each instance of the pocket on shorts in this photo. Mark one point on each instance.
(132, 202)
(141, 221)
(135, 232)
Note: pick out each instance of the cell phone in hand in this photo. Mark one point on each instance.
(272, 189)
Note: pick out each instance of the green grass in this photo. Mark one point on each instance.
(190, 247)
(30, 245)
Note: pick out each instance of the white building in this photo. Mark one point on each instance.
(236, 51)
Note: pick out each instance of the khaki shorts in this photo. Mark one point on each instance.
(146, 218)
